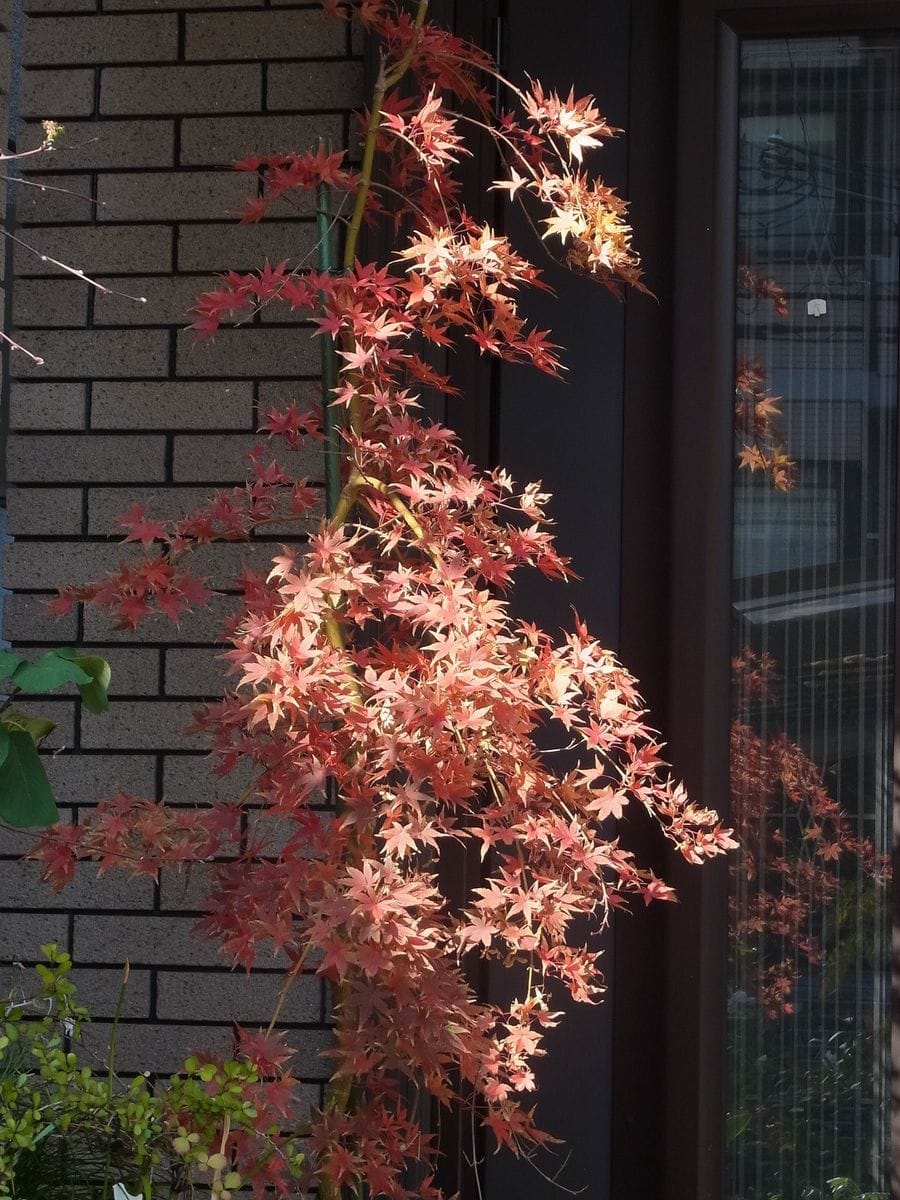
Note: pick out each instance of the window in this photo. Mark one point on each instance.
(813, 584)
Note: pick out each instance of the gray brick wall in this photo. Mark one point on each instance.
(156, 105)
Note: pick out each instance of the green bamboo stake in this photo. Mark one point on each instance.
(329, 381)
(329, 363)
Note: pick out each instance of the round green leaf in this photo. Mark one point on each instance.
(26, 798)
(37, 728)
(48, 673)
(4, 744)
(94, 694)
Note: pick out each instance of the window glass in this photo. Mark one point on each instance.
(816, 391)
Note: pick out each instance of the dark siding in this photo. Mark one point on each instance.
(569, 434)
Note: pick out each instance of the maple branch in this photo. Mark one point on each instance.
(329, 362)
(346, 500)
(286, 987)
(406, 514)
(334, 631)
(385, 81)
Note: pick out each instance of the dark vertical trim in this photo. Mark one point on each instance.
(701, 575)
(638, 993)
(895, 889)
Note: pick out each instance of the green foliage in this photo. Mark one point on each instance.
(51, 671)
(838, 1189)
(26, 798)
(70, 1132)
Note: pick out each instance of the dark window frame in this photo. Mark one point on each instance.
(680, 1021)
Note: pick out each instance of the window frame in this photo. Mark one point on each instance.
(681, 1021)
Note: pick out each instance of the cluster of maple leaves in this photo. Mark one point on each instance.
(795, 844)
(756, 408)
(377, 664)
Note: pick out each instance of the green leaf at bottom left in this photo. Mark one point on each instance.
(26, 798)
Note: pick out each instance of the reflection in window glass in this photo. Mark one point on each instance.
(813, 598)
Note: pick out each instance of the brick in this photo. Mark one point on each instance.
(168, 299)
(172, 195)
(91, 458)
(159, 1049)
(111, 5)
(222, 565)
(100, 39)
(16, 842)
(321, 85)
(243, 247)
(279, 392)
(180, 90)
(190, 778)
(47, 406)
(357, 38)
(59, 6)
(165, 503)
(43, 511)
(145, 940)
(301, 527)
(140, 725)
(187, 890)
(222, 996)
(224, 460)
(57, 94)
(86, 778)
(60, 712)
(37, 203)
(99, 990)
(250, 353)
(195, 672)
(50, 565)
(302, 33)
(209, 141)
(49, 303)
(164, 405)
(20, 939)
(95, 249)
(135, 671)
(26, 619)
(310, 1061)
(201, 625)
(97, 145)
(270, 830)
(88, 889)
(92, 354)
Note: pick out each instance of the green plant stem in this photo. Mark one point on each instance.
(329, 363)
(111, 1069)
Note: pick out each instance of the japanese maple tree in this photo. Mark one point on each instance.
(386, 699)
